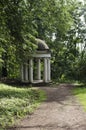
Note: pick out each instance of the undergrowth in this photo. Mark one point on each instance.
(15, 103)
(80, 93)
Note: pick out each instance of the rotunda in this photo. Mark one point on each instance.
(38, 65)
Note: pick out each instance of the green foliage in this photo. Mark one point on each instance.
(68, 61)
(81, 69)
(80, 93)
(57, 22)
(16, 102)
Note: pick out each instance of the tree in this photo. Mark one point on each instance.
(67, 51)
(24, 20)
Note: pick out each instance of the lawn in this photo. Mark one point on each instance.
(16, 102)
(80, 93)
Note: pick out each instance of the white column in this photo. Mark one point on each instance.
(31, 70)
(48, 70)
(22, 72)
(38, 70)
(26, 72)
(45, 70)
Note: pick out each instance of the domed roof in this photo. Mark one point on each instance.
(41, 45)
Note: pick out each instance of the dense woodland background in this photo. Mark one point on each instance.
(61, 23)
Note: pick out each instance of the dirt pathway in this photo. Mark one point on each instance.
(61, 111)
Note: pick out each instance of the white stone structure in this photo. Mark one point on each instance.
(42, 57)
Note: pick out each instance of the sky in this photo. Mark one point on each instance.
(81, 1)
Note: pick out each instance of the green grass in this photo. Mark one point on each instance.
(80, 93)
(16, 102)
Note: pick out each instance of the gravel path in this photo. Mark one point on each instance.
(61, 111)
